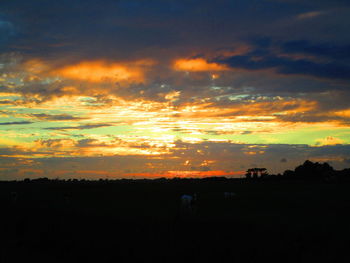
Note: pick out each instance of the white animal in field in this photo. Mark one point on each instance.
(188, 201)
(229, 195)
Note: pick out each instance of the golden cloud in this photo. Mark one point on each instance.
(267, 109)
(197, 65)
(102, 71)
(95, 71)
(343, 113)
(329, 140)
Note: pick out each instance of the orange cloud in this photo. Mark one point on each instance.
(101, 71)
(343, 113)
(95, 71)
(197, 64)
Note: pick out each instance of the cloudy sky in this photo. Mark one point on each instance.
(136, 88)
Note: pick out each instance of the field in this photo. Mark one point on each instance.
(142, 220)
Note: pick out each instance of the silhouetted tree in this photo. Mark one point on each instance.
(311, 171)
(263, 172)
(256, 172)
(248, 174)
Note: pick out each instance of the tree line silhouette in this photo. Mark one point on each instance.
(310, 171)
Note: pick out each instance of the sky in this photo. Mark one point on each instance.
(165, 88)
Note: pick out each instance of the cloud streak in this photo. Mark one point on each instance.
(80, 127)
(16, 123)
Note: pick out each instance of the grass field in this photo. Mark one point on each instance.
(124, 221)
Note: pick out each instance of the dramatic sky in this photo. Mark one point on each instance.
(152, 88)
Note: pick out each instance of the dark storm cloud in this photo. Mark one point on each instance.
(86, 28)
(327, 50)
(127, 28)
(318, 3)
(266, 56)
(7, 31)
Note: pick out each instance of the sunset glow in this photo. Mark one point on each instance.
(197, 64)
(212, 98)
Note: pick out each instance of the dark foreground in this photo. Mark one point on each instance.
(142, 221)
